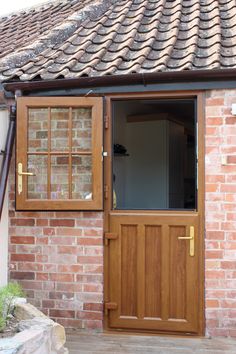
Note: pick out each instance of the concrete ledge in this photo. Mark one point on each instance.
(38, 334)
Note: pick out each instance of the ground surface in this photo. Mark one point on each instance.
(130, 344)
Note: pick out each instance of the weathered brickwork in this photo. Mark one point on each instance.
(220, 225)
(58, 258)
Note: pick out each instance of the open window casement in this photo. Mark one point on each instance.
(59, 153)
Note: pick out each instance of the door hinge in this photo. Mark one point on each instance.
(109, 306)
(106, 122)
(106, 189)
(109, 236)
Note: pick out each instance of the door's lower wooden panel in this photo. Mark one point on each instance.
(152, 277)
(152, 272)
(128, 239)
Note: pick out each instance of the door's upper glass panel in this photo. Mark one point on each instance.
(154, 155)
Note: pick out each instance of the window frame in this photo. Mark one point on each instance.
(96, 104)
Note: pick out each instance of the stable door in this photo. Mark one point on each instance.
(154, 217)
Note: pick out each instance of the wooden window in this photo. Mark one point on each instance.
(59, 151)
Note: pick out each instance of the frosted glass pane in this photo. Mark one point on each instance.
(82, 177)
(59, 129)
(37, 185)
(81, 129)
(37, 129)
(59, 177)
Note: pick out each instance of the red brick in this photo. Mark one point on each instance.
(69, 231)
(89, 315)
(70, 323)
(90, 259)
(228, 188)
(215, 101)
(49, 231)
(60, 295)
(92, 241)
(93, 288)
(23, 222)
(22, 240)
(93, 232)
(49, 304)
(67, 250)
(42, 222)
(23, 275)
(74, 268)
(93, 307)
(231, 159)
(60, 240)
(61, 277)
(214, 254)
(212, 303)
(30, 266)
(230, 120)
(215, 235)
(215, 274)
(22, 257)
(228, 264)
(42, 276)
(62, 222)
(62, 313)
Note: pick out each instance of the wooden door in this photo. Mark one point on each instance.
(153, 279)
(154, 258)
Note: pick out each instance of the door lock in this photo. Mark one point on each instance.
(191, 239)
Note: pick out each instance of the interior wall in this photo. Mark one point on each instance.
(147, 145)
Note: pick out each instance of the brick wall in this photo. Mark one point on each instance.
(220, 213)
(58, 258)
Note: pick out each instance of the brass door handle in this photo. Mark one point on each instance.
(20, 174)
(185, 238)
(191, 239)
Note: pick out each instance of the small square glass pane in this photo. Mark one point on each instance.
(37, 129)
(59, 129)
(37, 184)
(82, 177)
(59, 177)
(81, 129)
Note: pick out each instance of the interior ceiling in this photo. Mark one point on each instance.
(181, 109)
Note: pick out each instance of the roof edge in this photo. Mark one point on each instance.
(130, 79)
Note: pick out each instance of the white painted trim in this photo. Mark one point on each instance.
(4, 242)
(4, 218)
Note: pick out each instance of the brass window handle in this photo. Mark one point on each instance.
(191, 239)
(20, 174)
(26, 174)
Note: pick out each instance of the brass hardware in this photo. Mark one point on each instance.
(20, 174)
(191, 239)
